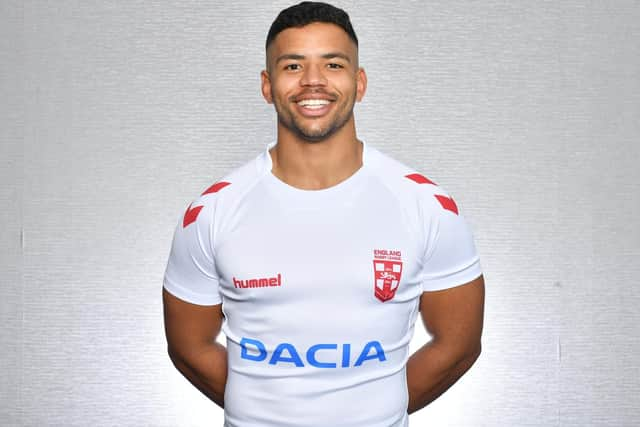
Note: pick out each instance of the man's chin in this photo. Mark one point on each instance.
(315, 137)
(312, 135)
(318, 134)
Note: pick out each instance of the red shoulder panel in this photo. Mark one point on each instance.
(216, 187)
(420, 179)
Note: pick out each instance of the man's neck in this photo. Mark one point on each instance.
(316, 165)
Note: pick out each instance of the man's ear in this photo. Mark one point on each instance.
(361, 84)
(266, 86)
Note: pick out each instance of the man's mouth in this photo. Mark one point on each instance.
(313, 104)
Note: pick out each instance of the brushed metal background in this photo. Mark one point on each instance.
(116, 114)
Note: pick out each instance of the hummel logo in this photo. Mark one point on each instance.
(258, 283)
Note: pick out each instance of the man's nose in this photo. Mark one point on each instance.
(313, 75)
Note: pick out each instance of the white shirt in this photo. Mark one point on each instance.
(320, 289)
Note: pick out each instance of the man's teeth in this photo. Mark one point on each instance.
(313, 103)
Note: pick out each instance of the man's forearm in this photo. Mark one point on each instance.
(432, 370)
(206, 370)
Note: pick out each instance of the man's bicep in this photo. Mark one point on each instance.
(454, 316)
(189, 327)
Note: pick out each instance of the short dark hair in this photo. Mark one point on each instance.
(309, 12)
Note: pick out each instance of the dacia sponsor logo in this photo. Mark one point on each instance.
(318, 355)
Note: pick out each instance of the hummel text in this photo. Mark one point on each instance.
(258, 283)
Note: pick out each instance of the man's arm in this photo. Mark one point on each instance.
(454, 319)
(191, 332)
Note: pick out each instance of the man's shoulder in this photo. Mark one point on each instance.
(235, 184)
(411, 187)
(399, 177)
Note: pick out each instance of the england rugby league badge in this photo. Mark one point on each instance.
(387, 270)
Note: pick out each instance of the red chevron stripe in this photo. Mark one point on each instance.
(447, 203)
(420, 179)
(216, 187)
(191, 215)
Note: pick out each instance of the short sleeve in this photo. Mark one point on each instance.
(191, 272)
(450, 257)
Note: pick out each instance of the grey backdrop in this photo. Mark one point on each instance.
(115, 114)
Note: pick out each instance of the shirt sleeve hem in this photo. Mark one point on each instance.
(458, 278)
(191, 297)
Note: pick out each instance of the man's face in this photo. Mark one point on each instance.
(313, 80)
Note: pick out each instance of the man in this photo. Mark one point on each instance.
(315, 259)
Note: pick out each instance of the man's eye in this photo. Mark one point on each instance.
(292, 67)
(334, 65)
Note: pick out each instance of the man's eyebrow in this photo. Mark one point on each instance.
(340, 55)
(289, 56)
(298, 57)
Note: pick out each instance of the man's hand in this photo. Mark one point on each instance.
(454, 319)
(191, 332)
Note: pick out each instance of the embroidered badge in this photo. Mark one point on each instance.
(387, 270)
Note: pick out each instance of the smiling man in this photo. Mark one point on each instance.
(314, 280)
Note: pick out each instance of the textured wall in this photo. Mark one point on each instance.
(115, 114)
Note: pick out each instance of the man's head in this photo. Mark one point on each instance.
(312, 76)
(308, 12)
